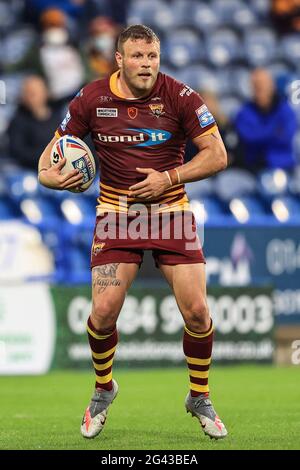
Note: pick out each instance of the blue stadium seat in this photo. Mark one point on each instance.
(199, 77)
(40, 211)
(13, 83)
(8, 210)
(199, 189)
(182, 47)
(234, 183)
(222, 47)
(244, 17)
(294, 180)
(21, 184)
(203, 17)
(286, 208)
(77, 210)
(238, 79)
(208, 209)
(226, 9)
(260, 46)
(16, 45)
(145, 12)
(272, 182)
(290, 48)
(261, 8)
(248, 209)
(230, 105)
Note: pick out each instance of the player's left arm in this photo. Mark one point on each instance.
(210, 159)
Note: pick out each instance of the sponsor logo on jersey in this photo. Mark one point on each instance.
(157, 109)
(105, 99)
(107, 112)
(132, 112)
(204, 115)
(144, 137)
(65, 121)
(186, 91)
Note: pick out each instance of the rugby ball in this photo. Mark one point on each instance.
(78, 156)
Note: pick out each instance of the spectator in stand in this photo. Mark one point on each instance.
(286, 15)
(227, 131)
(266, 126)
(55, 58)
(100, 48)
(34, 121)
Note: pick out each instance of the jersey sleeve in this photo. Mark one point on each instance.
(76, 121)
(196, 119)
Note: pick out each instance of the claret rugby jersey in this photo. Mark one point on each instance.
(150, 132)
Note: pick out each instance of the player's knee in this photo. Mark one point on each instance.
(105, 314)
(197, 316)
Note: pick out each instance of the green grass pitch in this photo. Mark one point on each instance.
(260, 406)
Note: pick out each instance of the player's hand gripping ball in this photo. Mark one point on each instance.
(78, 156)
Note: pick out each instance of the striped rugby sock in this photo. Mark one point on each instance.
(103, 347)
(197, 348)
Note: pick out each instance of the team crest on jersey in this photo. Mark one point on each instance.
(157, 109)
(132, 112)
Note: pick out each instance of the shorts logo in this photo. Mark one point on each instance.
(107, 112)
(204, 115)
(132, 112)
(157, 109)
(97, 247)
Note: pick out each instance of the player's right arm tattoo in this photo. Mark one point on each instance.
(104, 276)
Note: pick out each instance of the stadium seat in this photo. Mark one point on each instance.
(8, 210)
(249, 209)
(272, 182)
(199, 77)
(21, 184)
(226, 9)
(286, 209)
(222, 47)
(208, 209)
(230, 105)
(238, 79)
(244, 17)
(144, 12)
(261, 8)
(199, 189)
(260, 46)
(182, 47)
(203, 17)
(16, 45)
(40, 211)
(290, 48)
(234, 183)
(13, 83)
(77, 210)
(294, 181)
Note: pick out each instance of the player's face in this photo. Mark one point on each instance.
(139, 64)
